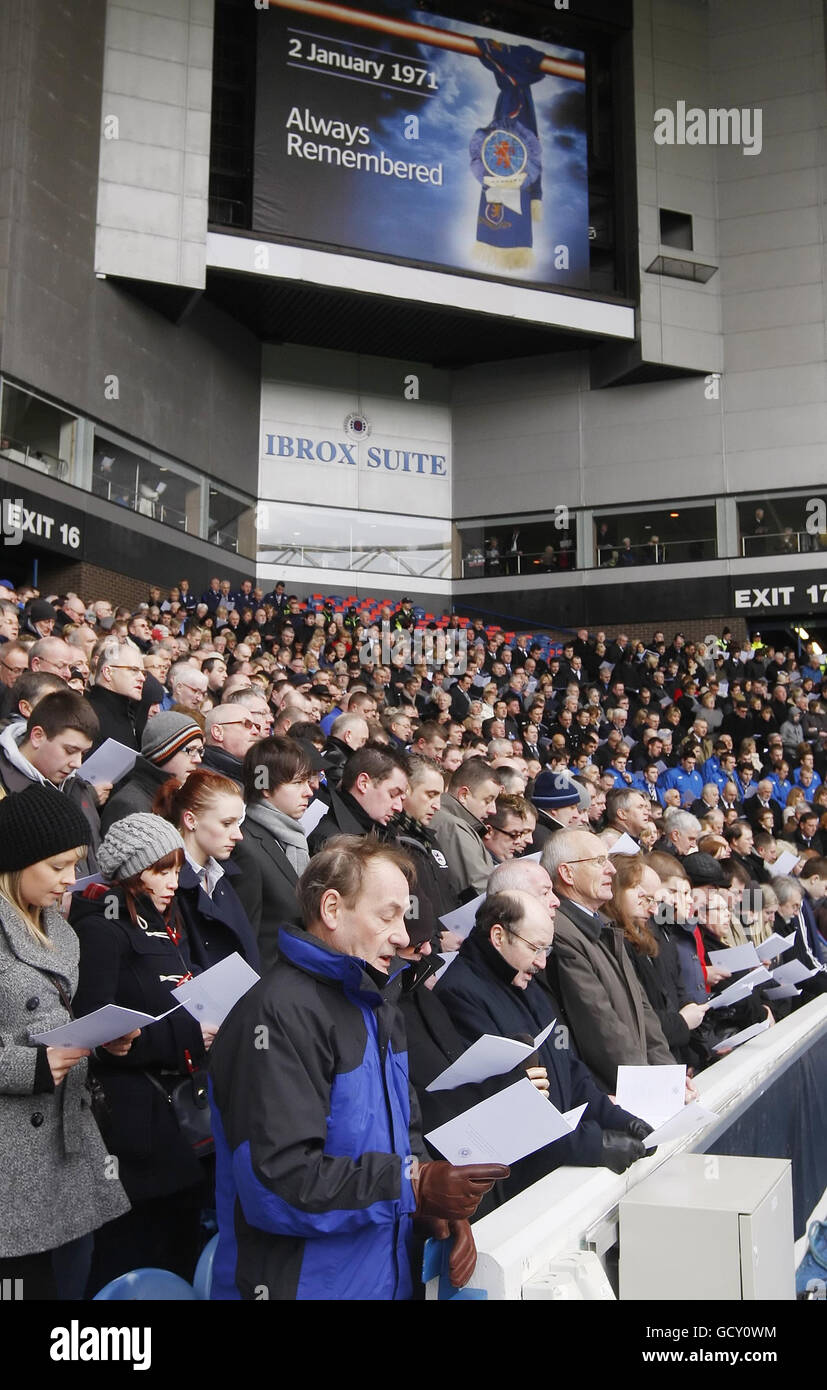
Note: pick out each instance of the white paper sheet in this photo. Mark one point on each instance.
(81, 883)
(736, 958)
(784, 864)
(210, 996)
(536, 857)
(625, 845)
(690, 1117)
(109, 763)
(315, 812)
(488, 1056)
(738, 1039)
(462, 919)
(793, 973)
(733, 994)
(783, 992)
(652, 1093)
(506, 1127)
(774, 945)
(104, 1025)
(448, 958)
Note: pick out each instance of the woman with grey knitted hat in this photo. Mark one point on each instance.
(133, 952)
(56, 1191)
(171, 746)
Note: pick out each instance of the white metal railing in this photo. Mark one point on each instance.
(575, 1209)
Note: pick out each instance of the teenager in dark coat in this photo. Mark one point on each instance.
(273, 852)
(207, 810)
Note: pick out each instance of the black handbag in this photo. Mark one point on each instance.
(189, 1101)
(188, 1097)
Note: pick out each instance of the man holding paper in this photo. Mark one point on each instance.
(320, 1163)
(610, 1016)
(492, 988)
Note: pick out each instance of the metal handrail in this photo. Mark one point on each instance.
(786, 542)
(52, 464)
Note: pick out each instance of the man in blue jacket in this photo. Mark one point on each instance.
(689, 783)
(318, 1176)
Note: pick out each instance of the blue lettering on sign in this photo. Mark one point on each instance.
(330, 451)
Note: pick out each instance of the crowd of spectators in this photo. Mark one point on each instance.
(507, 774)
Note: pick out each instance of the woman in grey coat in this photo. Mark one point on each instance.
(59, 1184)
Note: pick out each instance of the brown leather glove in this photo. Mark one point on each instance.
(463, 1259)
(443, 1190)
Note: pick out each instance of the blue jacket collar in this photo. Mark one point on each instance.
(310, 954)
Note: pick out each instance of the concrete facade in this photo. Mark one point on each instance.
(188, 388)
(104, 254)
(760, 320)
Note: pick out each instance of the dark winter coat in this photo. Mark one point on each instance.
(478, 995)
(266, 887)
(432, 890)
(216, 925)
(345, 817)
(611, 1019)
(137, 967)
(116, 716)
(135, 793)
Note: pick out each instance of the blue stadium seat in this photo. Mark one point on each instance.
(147, 1286)
(202, 1280)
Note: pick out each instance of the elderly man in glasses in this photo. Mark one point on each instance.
(591, 973)
(119, 681)
(230, 731)
(493, 987)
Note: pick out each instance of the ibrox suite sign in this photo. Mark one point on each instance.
(299, 448)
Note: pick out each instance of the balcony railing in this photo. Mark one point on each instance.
(477, 565)
(786, 542)
(21, 452)
(657, 552)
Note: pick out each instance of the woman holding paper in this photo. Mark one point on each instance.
(134, 952)
(56, 1189)
(207, 811)
(636, 892)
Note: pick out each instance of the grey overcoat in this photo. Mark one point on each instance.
(57, 1182)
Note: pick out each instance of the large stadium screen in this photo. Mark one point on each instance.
(421, 139)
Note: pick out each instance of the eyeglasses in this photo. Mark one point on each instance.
(247, 723)
(512, 834)
(136, 670)
(600, 859)
(538, 950)
(193, 750)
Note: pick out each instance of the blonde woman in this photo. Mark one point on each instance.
(56, 1188)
